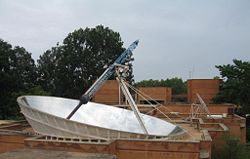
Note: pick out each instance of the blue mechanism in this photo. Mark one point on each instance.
(124, 57)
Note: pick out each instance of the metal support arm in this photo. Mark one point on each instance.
(126, 55)
(132, 104)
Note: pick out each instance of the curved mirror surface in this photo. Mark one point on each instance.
(100, 115)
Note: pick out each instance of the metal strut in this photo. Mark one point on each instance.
(124, 57)
(132, 103)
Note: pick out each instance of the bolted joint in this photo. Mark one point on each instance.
(84, 99)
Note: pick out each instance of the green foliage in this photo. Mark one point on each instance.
(248, 134)
(67, 70)
(37, 90)
(18, 73)
(236, 86)
(232, 149)
(177, 84)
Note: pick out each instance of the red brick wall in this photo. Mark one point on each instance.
(108, 93)
(185, 108)
(11, 142)
(207, 88)
(156, 93)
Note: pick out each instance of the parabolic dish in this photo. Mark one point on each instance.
(47, 116)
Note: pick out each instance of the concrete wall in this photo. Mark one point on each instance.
(207, 88)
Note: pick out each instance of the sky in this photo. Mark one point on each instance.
(178, 38)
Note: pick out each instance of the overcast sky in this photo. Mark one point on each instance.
(178, 38)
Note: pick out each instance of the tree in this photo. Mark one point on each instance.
(47, 65)
(177, 84)
(25, 69)
(236, 86)
(232, 148)
(18, 73)
(67, 70)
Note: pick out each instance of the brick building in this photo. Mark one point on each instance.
(162, 95)
(206, 88)
(204, 131)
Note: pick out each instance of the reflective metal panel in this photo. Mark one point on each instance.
(93, 114)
